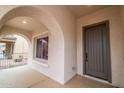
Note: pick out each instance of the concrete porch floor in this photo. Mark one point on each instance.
(25, 77)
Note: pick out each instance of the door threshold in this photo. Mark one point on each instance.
(97, 79)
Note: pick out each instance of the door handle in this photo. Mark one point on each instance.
(86, 57)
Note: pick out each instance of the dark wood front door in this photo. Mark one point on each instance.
(96, 51)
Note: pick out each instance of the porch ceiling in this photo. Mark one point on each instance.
(25, 23)
(81, 10)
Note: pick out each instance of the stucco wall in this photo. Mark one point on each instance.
(112, 14)
(21, 45)
(52, 67)
(68, 23)
(122, 20)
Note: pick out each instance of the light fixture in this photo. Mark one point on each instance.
(24, 22)
(89, 5)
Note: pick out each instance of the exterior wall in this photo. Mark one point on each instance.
(21, 45)
(122, 17)
(112, 14)
(51, 68)
(68, 23)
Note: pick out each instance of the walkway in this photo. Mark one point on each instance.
(24, 76)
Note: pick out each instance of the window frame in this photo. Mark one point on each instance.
(40, 60)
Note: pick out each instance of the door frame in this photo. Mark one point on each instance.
(106, 22)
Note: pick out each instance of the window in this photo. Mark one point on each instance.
(41, 47)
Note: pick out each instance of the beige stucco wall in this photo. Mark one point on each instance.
(52, 66)
(122, 20)
(21, 45)
(112, 14)
(68, 23)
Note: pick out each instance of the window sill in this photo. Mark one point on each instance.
(43, 63)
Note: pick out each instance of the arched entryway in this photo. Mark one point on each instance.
(53, 68)
(14, 50)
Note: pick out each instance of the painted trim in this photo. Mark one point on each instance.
(40, 63)
(46, 32)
